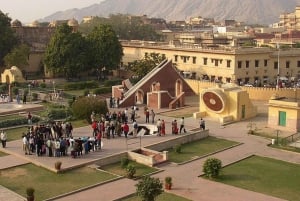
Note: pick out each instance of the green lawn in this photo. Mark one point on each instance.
(2, 154)
(79, 123)
(48, 184)
(265, 175)
(15, 133)
(7, 117)
(141, 169)
(162, 197)
(199, 148)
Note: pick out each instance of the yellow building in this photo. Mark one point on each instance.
(224, 64)
(290, 21)
(227, 103)
(284, 114)
(12, 75)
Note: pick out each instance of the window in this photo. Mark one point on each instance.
(287, 64)
(228, 63)
(194, 60)
(247, 64)
(184, 59)
(216, 62)
(298, 63)
(205, 61)
(256, 63)
(176, 58)
(276, 65)
(265, 62)
(239, 64)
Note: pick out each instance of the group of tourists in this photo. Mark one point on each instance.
(55, 140)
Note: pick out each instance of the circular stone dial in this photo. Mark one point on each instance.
(213, 101)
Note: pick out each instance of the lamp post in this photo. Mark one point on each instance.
(29, 85)
(278, 66)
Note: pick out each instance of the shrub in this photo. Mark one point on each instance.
(178, 148)
(124, 162)
(30, 191)
(15, 90)
(80, 85)
(57, 165)
(130, 171)
(102, 90)
(109, 83)
(149, 188)
(86, 92)
(34, 96)
(83, 107)
(57, 113)
(17, 121)
(212, 167)
(43, 85)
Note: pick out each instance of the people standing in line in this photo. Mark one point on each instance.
(202, 124)
(158, 125)
(182, 125)
(147, 113)
(152, 116)
(163, 128)
(125, 129)
(25, 145)
(98, 138)
(3, 138)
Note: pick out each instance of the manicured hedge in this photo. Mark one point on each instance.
(109, 83)
(102, 90)
(80, 85)
(17, 122)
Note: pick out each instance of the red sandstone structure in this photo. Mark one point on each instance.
(163, 87)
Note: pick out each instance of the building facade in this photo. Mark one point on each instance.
(259, 65)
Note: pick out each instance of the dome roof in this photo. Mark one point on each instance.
(16, 23)
(73, 23)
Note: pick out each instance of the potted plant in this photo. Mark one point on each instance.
(168, 183)
(30, 194)
(57, 165)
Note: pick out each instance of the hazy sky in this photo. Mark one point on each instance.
(29, 10)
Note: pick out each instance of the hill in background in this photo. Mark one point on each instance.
(249, 11)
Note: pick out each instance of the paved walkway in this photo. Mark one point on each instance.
(185, 177)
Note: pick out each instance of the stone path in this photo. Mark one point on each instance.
(185, 177)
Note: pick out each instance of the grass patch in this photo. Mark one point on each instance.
(287, 148)
(3, 154)
(162, 197)
(79, 123)
(141, 169)
(8, 117)
(264, 175)
(199, 148)
(48, 184)
(15, 133)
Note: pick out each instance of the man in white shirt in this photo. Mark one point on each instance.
(3, 138)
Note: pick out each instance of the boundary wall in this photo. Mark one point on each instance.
(255, 93)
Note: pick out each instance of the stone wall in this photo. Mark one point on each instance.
(255, 93)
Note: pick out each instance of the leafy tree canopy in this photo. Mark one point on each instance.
(66, 52)
(18, 56)
(7, 37)
(105, 48)
(145, 65)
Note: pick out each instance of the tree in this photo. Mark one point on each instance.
(66, 52)
(7, 36)
(145, 65)
(106, 50)
(149, 188)
(18, 56)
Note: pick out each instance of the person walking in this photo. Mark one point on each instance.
(158, 125)
(135, 128)
(182, 125)
(202, 124)
(174, 127)
(152, 115)
(3, 138)
(125, 129)
(147, 113)
(163, 128)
